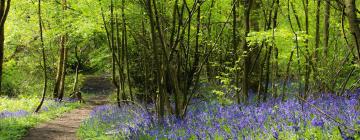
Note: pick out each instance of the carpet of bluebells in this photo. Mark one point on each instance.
(274, 119)
(16, 115)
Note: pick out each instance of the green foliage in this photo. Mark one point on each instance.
(222, 92)
(84, 26)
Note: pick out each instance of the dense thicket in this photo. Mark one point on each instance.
(172, 51)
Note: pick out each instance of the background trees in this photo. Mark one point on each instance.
(170, 52)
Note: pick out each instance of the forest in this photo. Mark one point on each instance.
(179, 69)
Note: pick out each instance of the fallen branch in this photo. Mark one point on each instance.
(327, 115)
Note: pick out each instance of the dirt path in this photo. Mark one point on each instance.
(64, 127)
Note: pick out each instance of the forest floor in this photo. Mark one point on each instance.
(64, 127)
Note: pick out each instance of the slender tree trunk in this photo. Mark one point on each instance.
(128, 75)
(111, 44)
(76, 69)
(43, 58)
(283, 96)
(113, 50)
(307, 65)
(126, 49)
(246, 53)
(4, 10)
(60, 75)
(2, 39)
(354, 23)
(326, 27)
(317, 42)
(63, 73)
(267, 77)
(65, 57)
(292, 51)
(317, 32)
(261, 75)
(157, 61)
(276, 76)
(276, 52)
(121, 53)
(209, 68)
(235, 44)
(128, 66)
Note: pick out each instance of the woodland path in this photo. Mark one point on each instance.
(64, 127)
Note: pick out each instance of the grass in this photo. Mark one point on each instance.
(16, 115)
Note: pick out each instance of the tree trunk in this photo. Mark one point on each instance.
(60, 75)
(267, 76)
(63, 73)
(111, 44)
(76, 70)
(261, 75)
(157, 61)
(113, 51)
(307, 59)
(209, 68)
(276, 52)
(235, 43)
(44, 58)
(317, 32)
(4, 10)
(354, 23)
(246, 53)
(2, 38)
(125, 46)
(121, 57)
(326, 27)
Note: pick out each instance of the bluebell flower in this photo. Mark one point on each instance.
(296, 128)
(8, 114)
(275, 134)
(208, 119)
(317, 122)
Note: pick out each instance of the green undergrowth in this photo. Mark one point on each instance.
(22, 118)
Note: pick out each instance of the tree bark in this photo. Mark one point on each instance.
(246, 53)
(60, 75)
(209, 68)
(276, 52)
(78, 61)
(43, 58)
(317, 32)
(307, 59)
(111, 44)
(354, 23)
(235, 44)
(121, 56)
(2, 39)
(4, 10)
(326, 28)
(63, 73)
(157, 61)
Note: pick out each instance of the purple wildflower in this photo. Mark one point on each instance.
(317, 122)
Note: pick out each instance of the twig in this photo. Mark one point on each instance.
(327, 115)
